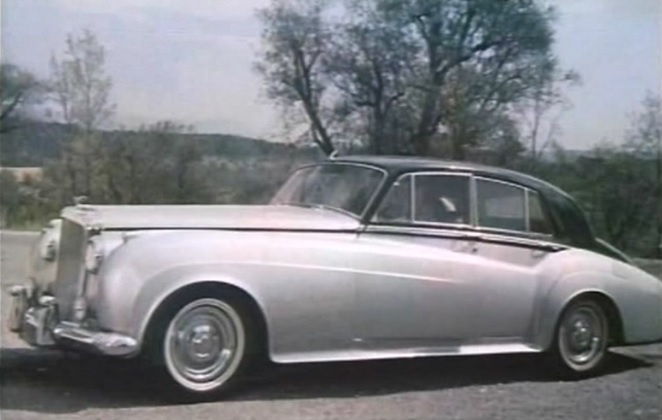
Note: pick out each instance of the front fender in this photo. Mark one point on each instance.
(143, 272)
(157, 289)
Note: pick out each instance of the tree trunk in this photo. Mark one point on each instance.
(458, 151)
(428, 122)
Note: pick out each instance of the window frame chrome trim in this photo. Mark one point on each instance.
(527, 216)
(526, 209)
(373, 197)
(468, 175)
(473, 207)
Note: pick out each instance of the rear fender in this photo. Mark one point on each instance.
(564, 291)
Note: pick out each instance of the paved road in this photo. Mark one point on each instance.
(48, 385)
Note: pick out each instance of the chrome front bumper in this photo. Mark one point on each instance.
(37, 323)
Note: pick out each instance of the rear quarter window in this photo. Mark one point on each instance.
(506, 206)
(501, 206)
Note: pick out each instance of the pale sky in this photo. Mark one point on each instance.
(192, 61)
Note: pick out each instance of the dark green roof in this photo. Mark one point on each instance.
(400, 164)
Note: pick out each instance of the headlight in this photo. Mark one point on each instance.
(48, 241)
(98, 254)
(48, 250)
(93, 256)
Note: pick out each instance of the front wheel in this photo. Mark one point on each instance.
(581, 340)
(204, 344)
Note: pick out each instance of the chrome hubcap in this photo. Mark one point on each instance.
(204, 344)
(583, 335)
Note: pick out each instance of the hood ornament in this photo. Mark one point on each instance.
(80, 200)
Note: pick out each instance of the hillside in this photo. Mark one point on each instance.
(34, 144)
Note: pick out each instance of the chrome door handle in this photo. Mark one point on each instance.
(538, 253)
(471, 236)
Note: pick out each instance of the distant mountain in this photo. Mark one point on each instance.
(36, 143)
(32, 144)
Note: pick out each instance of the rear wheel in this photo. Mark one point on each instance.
(581, 340)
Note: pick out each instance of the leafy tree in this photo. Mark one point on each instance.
(22, 203)
(644, 139)
(392, 72)
(368, 63)
(615, 187)
(176, 158)
(619, 184)
(160, 163)
(18, 89)
(489, 50)
(9, 197)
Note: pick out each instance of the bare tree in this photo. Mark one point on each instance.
(81, 90)
(80, 83)
(295, 38)
(539, 113)
(645, 133)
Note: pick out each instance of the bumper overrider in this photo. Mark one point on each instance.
(38, 324)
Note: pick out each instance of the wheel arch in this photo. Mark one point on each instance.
(211, 288)
(614, 316)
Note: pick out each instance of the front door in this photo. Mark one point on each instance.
(415, 293)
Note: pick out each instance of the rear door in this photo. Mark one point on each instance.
(452, 263)
(513, 240)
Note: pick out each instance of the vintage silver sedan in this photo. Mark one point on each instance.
(355, 258)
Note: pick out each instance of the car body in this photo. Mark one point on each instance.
(355, 258)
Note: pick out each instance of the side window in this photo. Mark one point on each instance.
(501, 206)
(538, 221)
(442, 199)
(396, 205)
(445, 199)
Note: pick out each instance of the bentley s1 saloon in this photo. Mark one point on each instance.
(354, 258)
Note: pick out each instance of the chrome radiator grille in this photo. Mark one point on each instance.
(70, 268)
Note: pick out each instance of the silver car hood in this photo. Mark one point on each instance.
(210, 216)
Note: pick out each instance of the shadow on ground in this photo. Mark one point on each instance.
(46, 382)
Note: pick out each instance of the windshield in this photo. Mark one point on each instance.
(336, 186)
